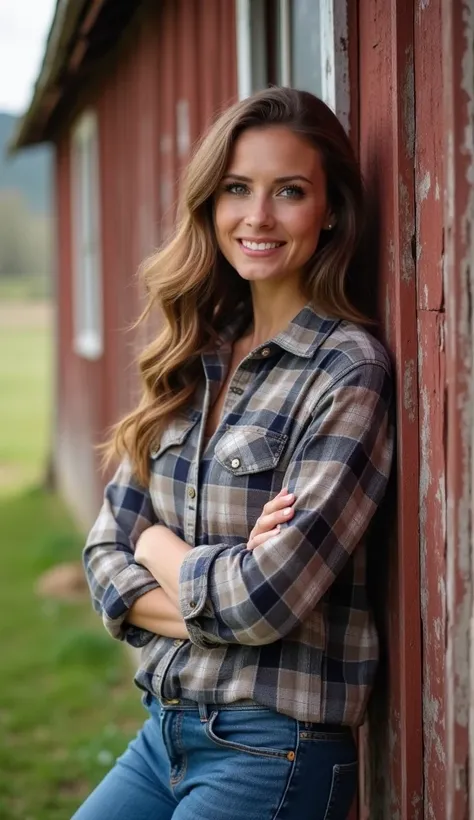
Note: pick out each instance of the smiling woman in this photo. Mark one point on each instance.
(268, 226)
(231, 545)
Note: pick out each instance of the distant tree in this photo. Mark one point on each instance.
(25, 238)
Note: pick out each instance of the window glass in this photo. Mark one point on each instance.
(87, 307)
(306, 46)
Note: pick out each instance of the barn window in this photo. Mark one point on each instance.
(294, 43)
(87, 273)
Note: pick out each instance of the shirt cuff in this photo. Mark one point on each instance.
(194, 598)
(130, 584)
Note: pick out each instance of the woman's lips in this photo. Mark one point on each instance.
(260, 249)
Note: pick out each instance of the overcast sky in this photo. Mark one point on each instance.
(24, 26)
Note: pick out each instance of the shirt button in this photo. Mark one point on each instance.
(235, 463)
(192, 492)
(266, 351)
(177, 642)
(192, 604)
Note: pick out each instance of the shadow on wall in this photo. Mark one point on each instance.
(382, 542)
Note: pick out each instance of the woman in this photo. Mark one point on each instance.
(231, 543)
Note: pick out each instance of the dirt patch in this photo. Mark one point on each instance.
(14, 475)
(64, 581)
(26, 314)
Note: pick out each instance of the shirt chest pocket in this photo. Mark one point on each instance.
(175, 433)
(249, 449)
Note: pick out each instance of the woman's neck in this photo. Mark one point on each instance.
(272, 311)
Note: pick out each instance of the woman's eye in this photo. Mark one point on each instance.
(236, 188)
(292, 192)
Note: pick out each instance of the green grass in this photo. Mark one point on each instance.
(67, 702)
(25, 390)
(24, 287)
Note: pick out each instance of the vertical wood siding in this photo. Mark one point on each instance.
(80, 397)
(458, 199)
(386, 79)
(174, 70)
(429, 186)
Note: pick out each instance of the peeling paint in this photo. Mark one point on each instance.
(409, 385)
(408, 92)
(407, 262)
(424, 186)
(422, 191)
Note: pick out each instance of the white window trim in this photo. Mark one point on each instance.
(88, 338)
(342, 86)
(251, 56)
(251, 46)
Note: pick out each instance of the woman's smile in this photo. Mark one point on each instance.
(260, 247)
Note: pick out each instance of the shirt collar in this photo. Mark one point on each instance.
(306, 332)
(302, 336)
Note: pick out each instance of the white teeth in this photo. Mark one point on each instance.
(260, 246)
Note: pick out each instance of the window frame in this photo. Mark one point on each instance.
(88, 331)
(251, 26)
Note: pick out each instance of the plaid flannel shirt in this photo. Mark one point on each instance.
(288, 624)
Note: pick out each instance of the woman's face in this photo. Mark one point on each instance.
(271, 204)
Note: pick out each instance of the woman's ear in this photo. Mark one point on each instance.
(329, 222)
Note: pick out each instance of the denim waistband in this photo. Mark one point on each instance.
(206, 709)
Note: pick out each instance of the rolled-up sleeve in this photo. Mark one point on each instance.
(338, 474)
(115, 579)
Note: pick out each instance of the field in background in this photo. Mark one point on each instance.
(25, 390)
(67, 701)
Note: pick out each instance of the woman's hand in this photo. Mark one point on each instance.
(275, 513)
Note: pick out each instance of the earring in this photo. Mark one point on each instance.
(329, 227)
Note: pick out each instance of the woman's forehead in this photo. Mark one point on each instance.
(276, 151)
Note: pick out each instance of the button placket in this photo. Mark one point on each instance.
(190, 504)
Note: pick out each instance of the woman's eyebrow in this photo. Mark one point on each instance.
(241, 178)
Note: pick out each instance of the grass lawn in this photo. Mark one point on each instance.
(25, 391)
(68, 705)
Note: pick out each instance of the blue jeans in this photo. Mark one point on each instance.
(240, 762)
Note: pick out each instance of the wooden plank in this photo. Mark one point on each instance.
(432, 405)
(386, 78)
(458, 74)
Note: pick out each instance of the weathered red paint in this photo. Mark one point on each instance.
(432, 406)
(387, 154)
(174, 69)
(458, 99)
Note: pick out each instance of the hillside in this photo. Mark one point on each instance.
(27, 172)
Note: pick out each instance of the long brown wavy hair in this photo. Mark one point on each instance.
(197, 290)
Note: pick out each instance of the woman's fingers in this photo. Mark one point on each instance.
(275, 513)
(268, 522)
(258, 540)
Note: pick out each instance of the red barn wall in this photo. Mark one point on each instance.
(416, 103)
(174, 70)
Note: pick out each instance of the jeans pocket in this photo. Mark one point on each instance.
(343, 789)
(239, 734)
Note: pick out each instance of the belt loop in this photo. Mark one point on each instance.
(203, 715)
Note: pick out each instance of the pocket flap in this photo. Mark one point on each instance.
(175, 431)
(243, 450)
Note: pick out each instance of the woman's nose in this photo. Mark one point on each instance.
(259, 214)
